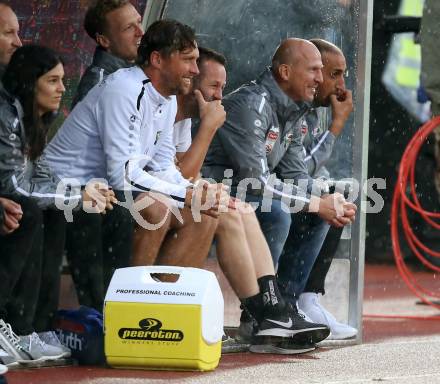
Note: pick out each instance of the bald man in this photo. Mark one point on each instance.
(306, 281)
(9, 40)
(260, 145)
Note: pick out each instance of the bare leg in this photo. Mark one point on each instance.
(234, 255)
(259, 249)
(148, 242)
(187, 244)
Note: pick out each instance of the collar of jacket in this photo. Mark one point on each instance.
(4, 94)
(153, 93)
(107, 61)
(12, 100)
(2, 71)
(282, 103)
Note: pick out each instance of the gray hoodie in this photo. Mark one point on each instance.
(103, 64)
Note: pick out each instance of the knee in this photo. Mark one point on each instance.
(229, 221)
(156, 213)
(279, 217)
(248, 216)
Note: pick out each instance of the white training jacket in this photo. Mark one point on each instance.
(121, 131)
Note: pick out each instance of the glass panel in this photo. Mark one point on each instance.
(248, 32)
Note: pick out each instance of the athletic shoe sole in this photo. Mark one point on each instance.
(42, 364)
(235, 348)
(343, 336)
(12, 365)
(283, 332)
(40, 360)
(283, 347)
(311, 337)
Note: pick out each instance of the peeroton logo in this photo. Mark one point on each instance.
(150, 329)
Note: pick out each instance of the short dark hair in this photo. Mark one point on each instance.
(27, 65)
(325, 46)
(206, 54)
(95, 22)
(165, 36)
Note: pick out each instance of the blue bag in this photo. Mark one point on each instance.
(81, 330)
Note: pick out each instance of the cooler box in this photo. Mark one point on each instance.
(159, 325)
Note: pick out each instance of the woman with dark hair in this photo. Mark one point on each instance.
(31, 256)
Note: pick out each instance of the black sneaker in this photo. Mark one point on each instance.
(247, 329)
(266, 344)
(292, 324)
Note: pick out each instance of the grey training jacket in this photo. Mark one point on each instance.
(318, 142)
(103, 64)
(261, 139)
(18, 175)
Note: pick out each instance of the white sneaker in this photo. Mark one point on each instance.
(38, 349)
(303, 314)
(3, 369)
(6, 359)
(51, 338)
(10, 343)
(309, 304)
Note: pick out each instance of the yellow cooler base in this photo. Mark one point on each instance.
(150, 363)
(157, 336)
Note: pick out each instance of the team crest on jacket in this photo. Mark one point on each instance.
(315, 131)
(271, 138)
(288, 139)
(304, 127)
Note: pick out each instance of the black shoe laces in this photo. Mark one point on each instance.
(294, 310)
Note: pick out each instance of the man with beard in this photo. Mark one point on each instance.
(242, 250)
(261, 142)
(122, 132)
(301, 277)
